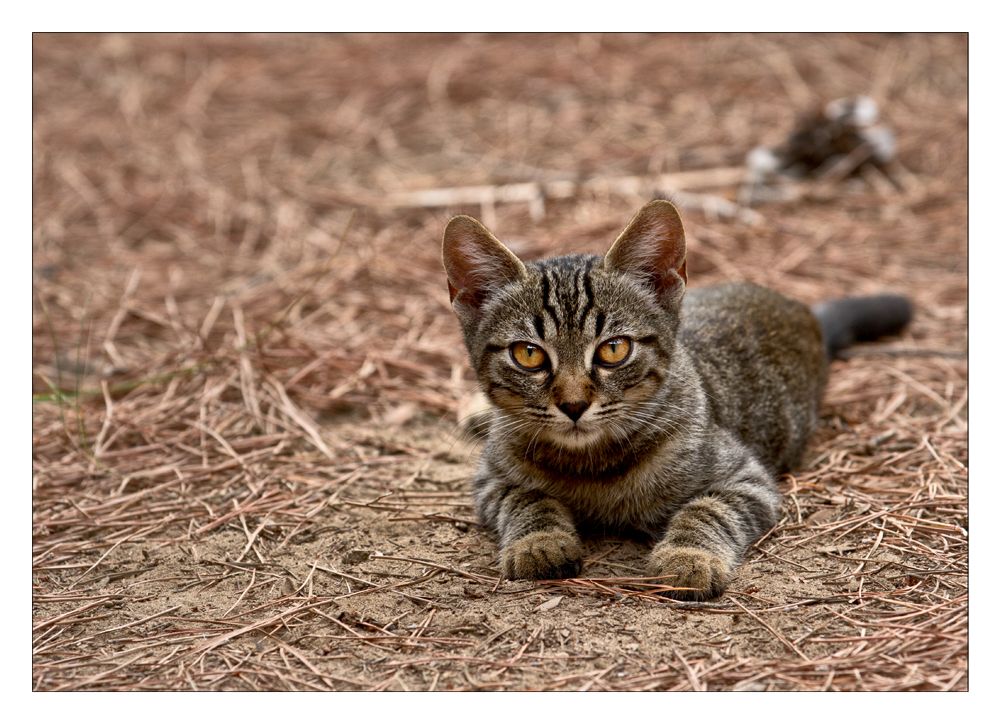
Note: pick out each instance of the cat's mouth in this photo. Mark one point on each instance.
(576, 435)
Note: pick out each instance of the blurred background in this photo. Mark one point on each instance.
(189, 188)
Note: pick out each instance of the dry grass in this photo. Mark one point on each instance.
(246, 368)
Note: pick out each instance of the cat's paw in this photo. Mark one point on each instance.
(545, 554)
(691, 568)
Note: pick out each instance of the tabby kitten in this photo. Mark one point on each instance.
(622, 402)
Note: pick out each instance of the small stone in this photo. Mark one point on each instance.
(356, 556)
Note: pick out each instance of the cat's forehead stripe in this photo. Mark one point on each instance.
(557, 297)
(599, 324)
(546, 304)
(588, 290)
(567, 290)
(540, 327)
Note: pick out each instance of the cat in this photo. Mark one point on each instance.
(620, 400)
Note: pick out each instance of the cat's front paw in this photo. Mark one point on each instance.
(691, 568)
(545, 554)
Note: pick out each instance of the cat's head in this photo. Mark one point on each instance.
(570, 349)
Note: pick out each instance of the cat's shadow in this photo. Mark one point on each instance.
(614, 555)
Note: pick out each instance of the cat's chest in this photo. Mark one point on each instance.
(643, 498)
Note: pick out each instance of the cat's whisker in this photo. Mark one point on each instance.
(691, 385)
(660, 426)
(508, 427)
(527, 450)
(659, 413)
(659, 423)
(679, 413)
(463, 431)
(622, 436)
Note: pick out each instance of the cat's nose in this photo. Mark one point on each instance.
(574, 410)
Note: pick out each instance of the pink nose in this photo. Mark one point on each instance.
(574, 410)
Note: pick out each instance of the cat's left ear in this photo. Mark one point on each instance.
(652, 249)
(477, 265)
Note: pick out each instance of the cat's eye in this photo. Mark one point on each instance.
(613, 352)
(528, 356)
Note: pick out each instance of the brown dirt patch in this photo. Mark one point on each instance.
(250, 476)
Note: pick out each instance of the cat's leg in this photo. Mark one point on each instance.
(706, 539)
(538, 537)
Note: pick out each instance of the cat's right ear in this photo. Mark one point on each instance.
(652, 249)
(477, 265)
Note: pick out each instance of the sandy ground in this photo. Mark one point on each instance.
(248, 472)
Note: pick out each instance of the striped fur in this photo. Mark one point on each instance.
(682, 440)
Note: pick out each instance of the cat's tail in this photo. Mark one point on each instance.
(861, 319)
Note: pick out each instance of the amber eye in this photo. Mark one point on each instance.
(613, 352)
(528, 356)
